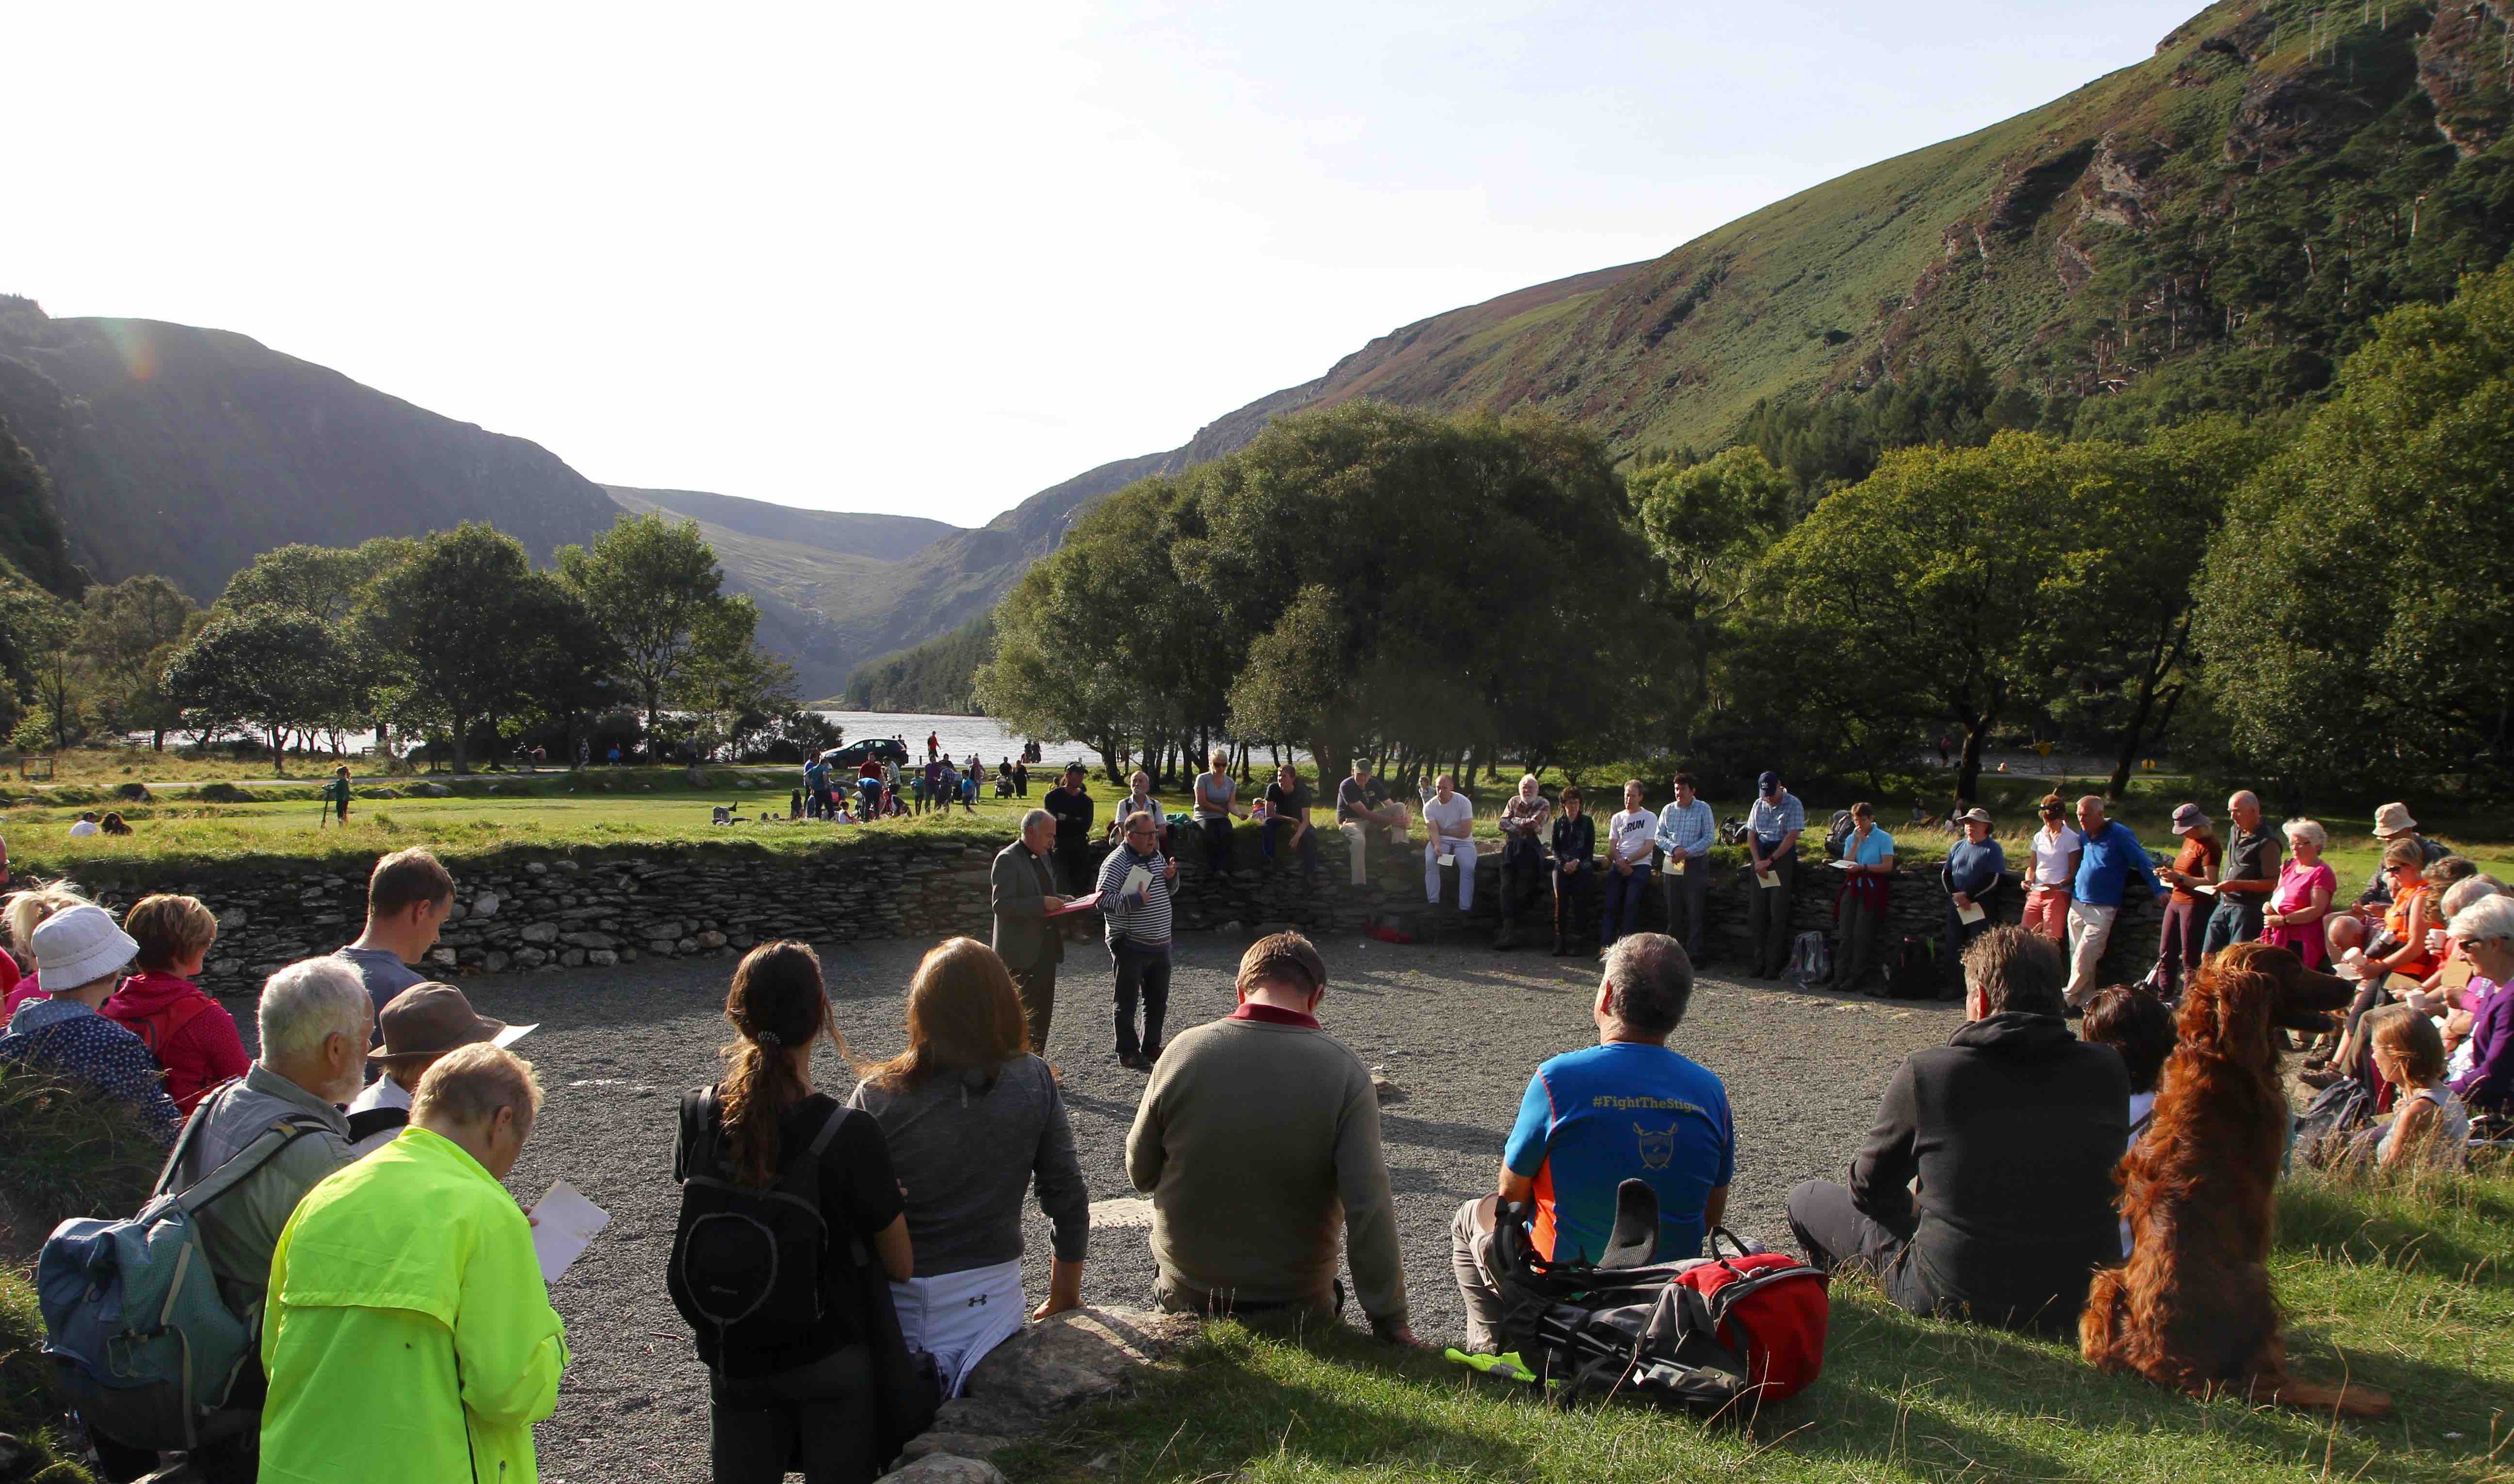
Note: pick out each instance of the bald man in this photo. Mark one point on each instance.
(2247, 874)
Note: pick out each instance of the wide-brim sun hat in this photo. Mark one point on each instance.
(2393, 819)
(430, 1019)
(79, 945)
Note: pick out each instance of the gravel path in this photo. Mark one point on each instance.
(1459, 1030)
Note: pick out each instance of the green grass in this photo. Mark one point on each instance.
(70, 1150)
(2412, 1290)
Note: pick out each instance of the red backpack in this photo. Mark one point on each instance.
(1768, 1307)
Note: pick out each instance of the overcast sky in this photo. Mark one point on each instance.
(931, 259)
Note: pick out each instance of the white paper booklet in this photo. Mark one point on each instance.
(564, 1222)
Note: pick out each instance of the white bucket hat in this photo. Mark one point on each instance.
(2393, 819)
(79, 945)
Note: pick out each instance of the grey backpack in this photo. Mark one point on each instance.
(1811, 961)
(143, 1347)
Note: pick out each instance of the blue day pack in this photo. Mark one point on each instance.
(143, 1347)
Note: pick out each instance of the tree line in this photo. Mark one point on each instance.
(453, 638)
(2301, 596)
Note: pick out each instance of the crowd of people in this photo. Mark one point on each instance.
(395, 1292)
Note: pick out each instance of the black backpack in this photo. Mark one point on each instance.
(746, 1260)
(1911, 969)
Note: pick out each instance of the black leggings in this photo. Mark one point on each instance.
(819, 1419)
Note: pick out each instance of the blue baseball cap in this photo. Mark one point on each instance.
(1768, 782)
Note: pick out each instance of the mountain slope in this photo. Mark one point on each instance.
(185, 452)
(2248, 197)
(2210, 227)
(883, 538)
(815, 604)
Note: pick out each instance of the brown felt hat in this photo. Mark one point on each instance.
(431, 1020)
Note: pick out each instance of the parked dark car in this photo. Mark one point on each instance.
(852, 757)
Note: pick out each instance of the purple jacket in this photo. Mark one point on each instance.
(2489, 1082)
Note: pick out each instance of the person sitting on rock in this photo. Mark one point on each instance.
(2013, 1128)
(1257, 1138)
(977, 1117)
(1629, 1107)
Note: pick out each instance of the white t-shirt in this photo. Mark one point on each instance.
(2140, 1106)
(2052, 858)
(384, 1091)
(1454, 817)
(1630, 836)
(84, 828)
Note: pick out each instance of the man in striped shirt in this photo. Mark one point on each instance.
(1139, 935)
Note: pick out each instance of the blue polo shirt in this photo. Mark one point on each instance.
(1871, 850)
(1597, 1117)
(2113, 860)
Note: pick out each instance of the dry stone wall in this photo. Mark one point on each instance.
(594, 910)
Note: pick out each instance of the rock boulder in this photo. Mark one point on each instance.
(1078, 1356)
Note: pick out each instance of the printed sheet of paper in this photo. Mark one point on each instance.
(1138, 882)
(1078, 904)
(1839, 865)
(1769, 880)
(1968, 915)
(1675, 867)
(1448, 859)
(565, 1221)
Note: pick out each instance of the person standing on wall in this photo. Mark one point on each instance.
(1026, 939)
(1773, 830)
(1686, 833)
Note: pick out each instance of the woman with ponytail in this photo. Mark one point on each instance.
(977, 1116)
(808, 1402)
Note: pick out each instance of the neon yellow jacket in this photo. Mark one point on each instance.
(407, 1317)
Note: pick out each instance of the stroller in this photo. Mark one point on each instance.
(1003, 786)
(1706, 1334)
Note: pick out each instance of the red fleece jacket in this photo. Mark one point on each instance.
(201, 1051)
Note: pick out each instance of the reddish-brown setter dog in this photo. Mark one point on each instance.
(2193, 1308)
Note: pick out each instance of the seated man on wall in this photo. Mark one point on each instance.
(1258, 1141)
(1362, 806)
(2013, 1128)
(1627, 1108)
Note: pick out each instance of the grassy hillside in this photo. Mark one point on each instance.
(2212, 227)
(883, 538)
(2228, 213)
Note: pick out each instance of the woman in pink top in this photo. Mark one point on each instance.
(2306, 887)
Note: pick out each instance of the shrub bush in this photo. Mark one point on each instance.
(137, 792)
(222, 792)
(72, 1150)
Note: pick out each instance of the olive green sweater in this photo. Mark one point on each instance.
(1257, 1142)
